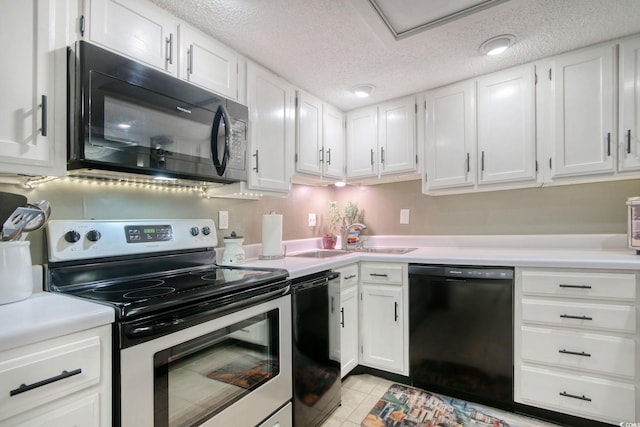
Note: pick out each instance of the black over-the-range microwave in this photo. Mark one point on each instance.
(125, 117)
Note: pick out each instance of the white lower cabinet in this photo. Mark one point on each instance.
(576, 342)
(58, 382)
(384, 324)
(348, 318)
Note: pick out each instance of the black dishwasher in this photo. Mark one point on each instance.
(461, 332)
(316, 347)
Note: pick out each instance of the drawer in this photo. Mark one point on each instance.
(580, 395)
(602, 354)
(348, 276)
(32, 379)
(620, 318)
(580, 284)
(381, 272)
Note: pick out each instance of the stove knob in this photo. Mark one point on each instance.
(206, 230)
(93, 235)
(72, 236)
(195, 231)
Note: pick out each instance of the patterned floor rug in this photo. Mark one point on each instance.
(403, 406)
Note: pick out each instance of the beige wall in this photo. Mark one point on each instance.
(585, 208)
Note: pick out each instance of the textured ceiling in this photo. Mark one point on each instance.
(327, 46)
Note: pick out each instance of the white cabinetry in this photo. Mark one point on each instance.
(348, 318)
(271, 130)
(629, 110)
(384, 324)
(583, 120)
(319, 138)
(451, 136)
(575, 342)
(59, 382)
(506, 126)
(381, 140)
(143, 31)
(33, 101)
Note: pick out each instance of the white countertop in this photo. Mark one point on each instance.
(47, 315)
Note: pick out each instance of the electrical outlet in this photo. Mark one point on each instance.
(312, 220)
(223, 220)
(404, 216)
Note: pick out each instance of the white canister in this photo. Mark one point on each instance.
(233, 253)
(16, 277)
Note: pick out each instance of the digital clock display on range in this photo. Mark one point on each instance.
(148, 233)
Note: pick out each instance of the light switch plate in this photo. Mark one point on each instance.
(223, 220)
(312, 220)
(404, 216)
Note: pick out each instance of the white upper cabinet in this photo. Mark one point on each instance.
(629, 112)
(362, 143)
(333, 142)
(450, 136)
(583, 120)
(397, 136)
(320, 138)
(137, 29)
(271, 130)
(506, 126)
(33, 101)
(207, 63)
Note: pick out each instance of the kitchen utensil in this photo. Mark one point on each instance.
(17, 221)
(8, 203)
(233, 252)
(16, 277)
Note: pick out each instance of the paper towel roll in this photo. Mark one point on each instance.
(272, 235)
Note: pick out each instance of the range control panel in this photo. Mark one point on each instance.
(69, 240)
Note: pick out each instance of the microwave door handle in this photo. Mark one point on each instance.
(222, 116)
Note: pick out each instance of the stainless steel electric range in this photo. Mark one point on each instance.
(194, 343)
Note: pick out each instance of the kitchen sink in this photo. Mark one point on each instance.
(319, 253)
(381, 250)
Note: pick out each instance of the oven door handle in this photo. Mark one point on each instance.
(159, 328)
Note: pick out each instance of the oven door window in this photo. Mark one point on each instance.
(197, 379)
(138, 128)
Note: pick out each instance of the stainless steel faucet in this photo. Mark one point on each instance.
(345, 231)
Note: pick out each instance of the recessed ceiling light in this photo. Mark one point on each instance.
(497, 45)
(363, 90)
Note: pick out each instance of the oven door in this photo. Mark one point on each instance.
(233, 370)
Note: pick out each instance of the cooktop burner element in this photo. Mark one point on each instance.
(127, 286)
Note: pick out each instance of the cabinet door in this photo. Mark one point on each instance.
(506, 132)
(309, 135)
(451, 136)
(333, 142)
(77, 412)
(271, 130)
(349, 331)
(583, 102)
(382, 334)
(208, 63)
(362, 143)
(138, 29)
(629, 113)
(397, 136)
(32, 89)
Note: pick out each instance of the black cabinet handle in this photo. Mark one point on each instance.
(256, 156)
(568, 316)
(573, 396)
(575, 353)
(342, 317)
(482, 162)
(564, 285)
(468, 162)
(378, 275)
(372, 158)
(169, 53)
(332, 304)
(24, 387)
(350, 277)
(382, 155)
(629, 141)
(43, 130)
(395, 311)
(321, 155)
(608, 143)
(190, 53)
(328, 156)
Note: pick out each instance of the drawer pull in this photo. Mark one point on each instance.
(63, 375)
(573, 396)
(378, 275)
(342, 317)
(568, 316)
(350, 277)
(576, 353)
(563, 285)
